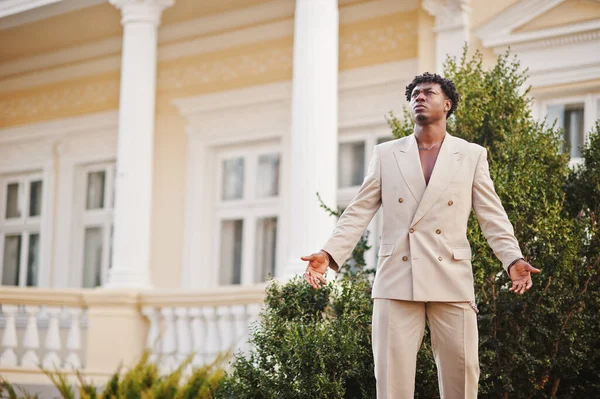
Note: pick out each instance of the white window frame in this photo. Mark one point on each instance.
(25, 225)
(103, 218)
(370, 135)
(591, 111)
(249, 209)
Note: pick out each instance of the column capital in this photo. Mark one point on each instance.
(141, 10)
(449, 14)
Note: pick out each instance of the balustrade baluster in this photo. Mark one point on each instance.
(240, 327)
(184, 344)
(73, 359)
(52, 342)
(168, 361)
(9, 338)
(153, 344)
(225, 324)
(212, 334)
(198, 329)
(31, 339)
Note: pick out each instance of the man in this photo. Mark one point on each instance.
(427, 183)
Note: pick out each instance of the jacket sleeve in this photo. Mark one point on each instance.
(355, 219)
(492, 217)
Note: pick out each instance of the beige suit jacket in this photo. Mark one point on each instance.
(424, 253)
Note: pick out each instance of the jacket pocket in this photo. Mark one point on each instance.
(385, 250)
(461, 253)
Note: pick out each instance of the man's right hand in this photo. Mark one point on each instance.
(317, 266)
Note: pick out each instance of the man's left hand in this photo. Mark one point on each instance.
(520, 274)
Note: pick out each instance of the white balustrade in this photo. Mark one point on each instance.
(168, 362)
(211, 348)
(152, 341)
(198, 328)
(73, 359)
(184, 339)
(8, 356)
(240, 327)
(31, 340)
(52, 343)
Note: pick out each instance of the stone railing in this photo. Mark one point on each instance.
(94, 330)
(199, 324)
(41, 327)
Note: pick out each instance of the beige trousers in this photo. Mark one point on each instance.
(398, 328)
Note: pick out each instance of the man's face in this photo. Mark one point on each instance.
(428, 103)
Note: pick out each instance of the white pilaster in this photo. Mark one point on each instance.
(133, 204)
(314, 129)
(451, 28)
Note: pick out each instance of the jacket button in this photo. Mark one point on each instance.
(440, 259)
(405, 258)
(450, 202)
(438, 231)
(400, 200)
(411, 230)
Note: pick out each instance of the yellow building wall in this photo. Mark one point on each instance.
(362, 43)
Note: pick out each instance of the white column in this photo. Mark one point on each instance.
(451, 28)
(313, 143)
(133, 206)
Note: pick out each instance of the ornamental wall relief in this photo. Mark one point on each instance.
(382, 39)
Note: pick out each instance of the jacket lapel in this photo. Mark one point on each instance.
(447, 163)
(407, 157)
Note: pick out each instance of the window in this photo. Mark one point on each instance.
(97, 191)
(21, 206)
(354, 154)
(247, 215)
(574, 115)
(570, 118)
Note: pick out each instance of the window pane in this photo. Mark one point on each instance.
(13, 205)
(266, 244)
(574, 129)
(92, 257)
(33, 260)
(230, 271)
(233, 179)
(35, 198)
(268, 176)
(95, 190)
(569, 117)
(11, 260)
(351, 164)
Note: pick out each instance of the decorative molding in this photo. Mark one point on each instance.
(10, 7)
(379, 39)
(40, 13)
(183, 39)
(555, 41)
(449, 14)
(515, 16)
(52, 102)
(510, 39)
(59, 128)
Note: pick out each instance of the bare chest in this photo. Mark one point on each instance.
(428, 159)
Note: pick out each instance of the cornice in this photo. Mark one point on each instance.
(554, 41)
(57, 7)
(512, 18)
(10, 7)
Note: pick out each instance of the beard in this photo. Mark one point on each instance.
(420, 118)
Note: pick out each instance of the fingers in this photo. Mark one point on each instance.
(309, 258)
(521, 286)
(315, 279)
(532, 269)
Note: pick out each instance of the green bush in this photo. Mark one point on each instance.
(144, 381)
(545, 344)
